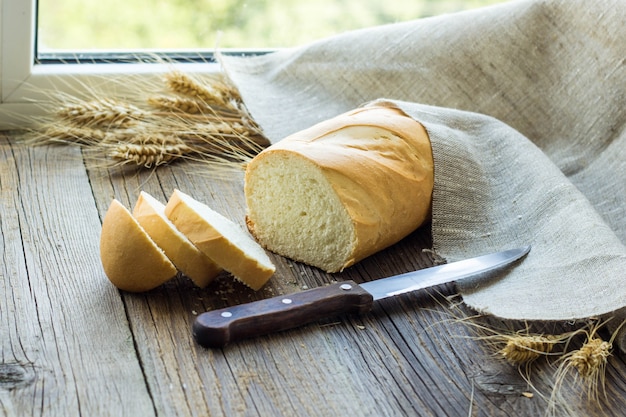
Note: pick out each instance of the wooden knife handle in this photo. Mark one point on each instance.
(219, 327)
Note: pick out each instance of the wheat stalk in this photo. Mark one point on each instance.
(591, 358)
(197, 121)
(73, 134)
(181, 83)
(525, 348)
(103, 112)
(148, 155)
(586, 365)
(179, 105)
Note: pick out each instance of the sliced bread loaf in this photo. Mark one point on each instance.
(341, 190)
(130, 258)
(150, 213)
(220, 239)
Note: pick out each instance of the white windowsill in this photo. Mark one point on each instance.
(24, 102)
(24, 86)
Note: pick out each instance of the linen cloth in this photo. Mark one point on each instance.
(524, 103)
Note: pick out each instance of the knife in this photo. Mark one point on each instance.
(217, 328)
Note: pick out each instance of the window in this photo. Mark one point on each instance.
(24, 81)
(195, 24)
(35, 57)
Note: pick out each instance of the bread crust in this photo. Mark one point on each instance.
(222, 249)
(180, 250)
(130, 258)
(384, 185)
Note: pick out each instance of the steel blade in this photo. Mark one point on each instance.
(441, 274)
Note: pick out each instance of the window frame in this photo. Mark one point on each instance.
(25, 83)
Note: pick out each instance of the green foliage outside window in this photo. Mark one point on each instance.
(193, 24)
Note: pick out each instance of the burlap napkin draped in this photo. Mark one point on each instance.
(525, 106)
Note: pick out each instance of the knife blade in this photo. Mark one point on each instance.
(217, 328)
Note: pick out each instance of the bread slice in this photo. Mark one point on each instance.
(341, 190)
(130, 258)
(150, 213)
(220, 239)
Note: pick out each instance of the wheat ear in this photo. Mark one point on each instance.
(525, 348)
(179, 105)
(148, 155)
(199, 121)
(587, 364)
(183, 84)
(100, 113)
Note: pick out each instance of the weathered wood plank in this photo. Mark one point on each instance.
(60, 325)
(181, 382)
(409, 356)
(73, 344)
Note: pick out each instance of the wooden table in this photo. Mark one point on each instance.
(72, 344)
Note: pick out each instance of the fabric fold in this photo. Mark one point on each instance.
(524, 103)
(494, 189)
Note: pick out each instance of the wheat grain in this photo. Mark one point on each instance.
(148, 155)
(195, 120)
(178, 104)
(184, 85)
(208, 131)
(591, 358)
(73, 134)
(587, 364)
(516, 347)
(100, 113)
(227, 88)
(226, 144)
(150, 137)
(521, 349)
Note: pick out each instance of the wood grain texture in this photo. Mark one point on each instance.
(61, 323)
(72, 344)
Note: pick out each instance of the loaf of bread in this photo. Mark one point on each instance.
(150, 213)
(348, 187)
(130, 258)
(231, 247)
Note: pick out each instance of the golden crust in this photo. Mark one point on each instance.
(187, 258)
(385, 184)
(130, 258)
(223, 250)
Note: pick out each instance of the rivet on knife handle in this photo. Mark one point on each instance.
(219, 327)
